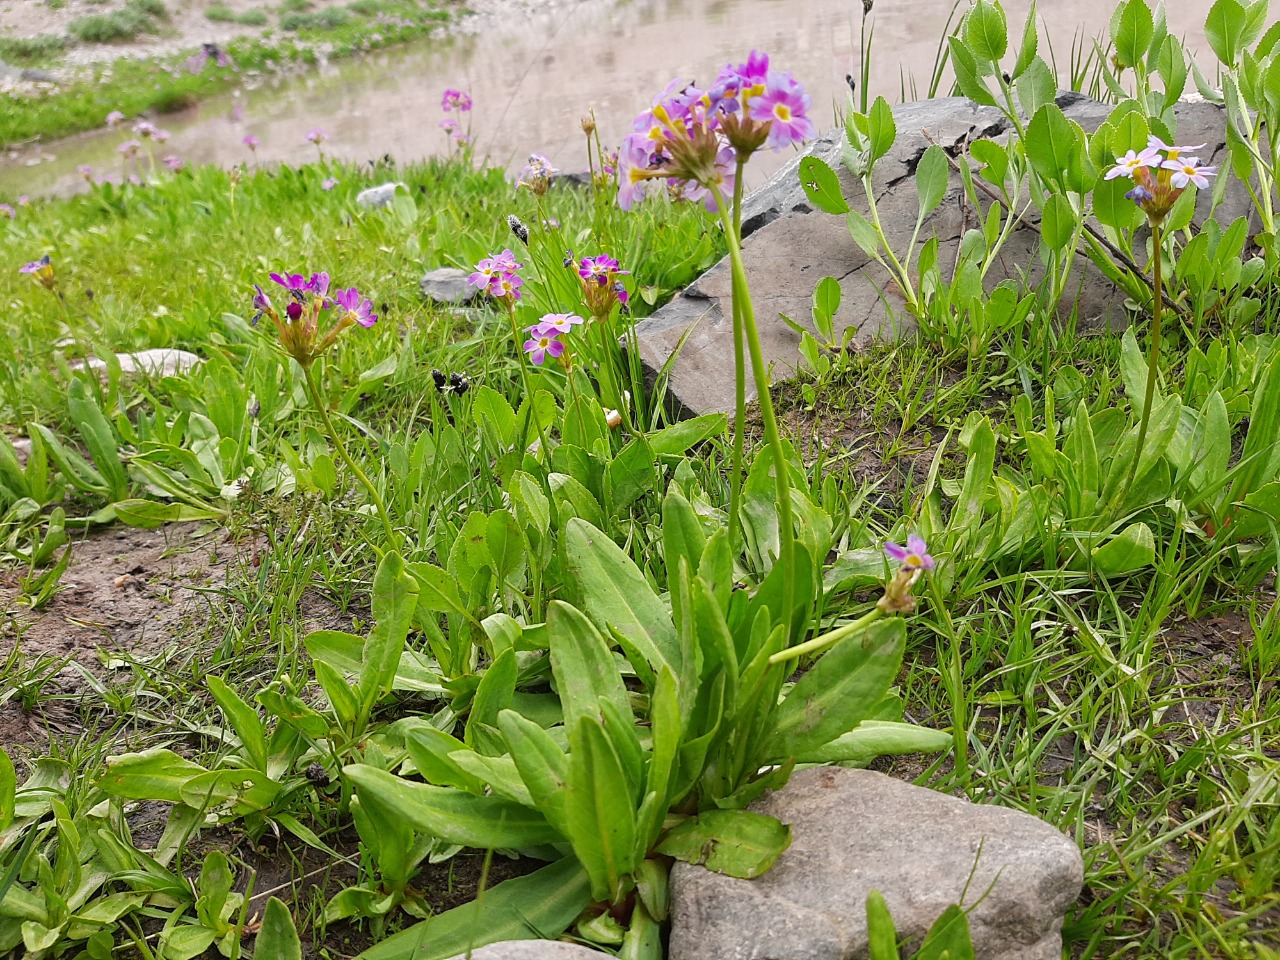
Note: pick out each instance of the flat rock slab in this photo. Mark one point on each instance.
(448, 285)
(855, 831)
(789, 247)
(157, 362)
(532, 950)
(379, 196)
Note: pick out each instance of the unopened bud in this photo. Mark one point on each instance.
(589, 124)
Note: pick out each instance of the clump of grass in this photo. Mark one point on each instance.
(220, 13)
(330, 19)
(137, 16)
(35, 49)
(295, 6)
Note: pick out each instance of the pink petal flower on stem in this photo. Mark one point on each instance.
(914, 556)
(784, 104)
(543, 345)
(1132, 160)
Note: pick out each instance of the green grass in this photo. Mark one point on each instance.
(136, 86)
(331, 18)
(32, 50)
(1139, 716)
(220, 13)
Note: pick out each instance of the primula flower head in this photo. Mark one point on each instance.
(328, 183)
(1157, 192)
(601, 286)
(251, 142)
(455, 100)
(914, 559)
(161, 136)
(144, 129)
(559, 323)
(317, 136)
(114, 119)
(358, 310)
(85, 171)
(129, 149)
(298, 328)
(174, 163)
(7, 211)
(537, 174)
(498, 277)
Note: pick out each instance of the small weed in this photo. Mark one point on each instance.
(109, 27)
(220, 13)
(295, 6)
(330, 19)
(37, 49)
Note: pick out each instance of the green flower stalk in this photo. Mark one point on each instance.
(298, 329)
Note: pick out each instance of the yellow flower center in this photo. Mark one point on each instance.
(782, 112)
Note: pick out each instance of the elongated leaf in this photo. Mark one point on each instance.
(737, 843)
(841, 690)
(542, 765)
(542, 904)
(433, 754)
(822, 186)
(949, 938)
(1224, 28)
(8, 791)
(882, 129)
(99, 438)
(243, 719)
(1135, 28)
(882, 938)
(1130, 550)
(986, 33)
(277, 937)
(497, 687)
(878, 738)
(395, 598)
(155, 774)
(437, 591)
(932, 176)
(615, 593)
(679, 437)
(486, 822)
(343, 651)
(599, 816)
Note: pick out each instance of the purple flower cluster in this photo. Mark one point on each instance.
(307, 298)
(601, 286)
(544, 336)
(452, 100)
(317, 136)
(695, 137)
(499, 277)
(251, 142)
(41, 271)
(7, 211)
(537, 174)
(1173, 174)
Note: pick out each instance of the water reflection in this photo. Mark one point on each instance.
(533, 77)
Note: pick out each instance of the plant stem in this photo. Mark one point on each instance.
(828, 639)
(739, 378)
(322, 408)
(786, 526)
(1153, 354)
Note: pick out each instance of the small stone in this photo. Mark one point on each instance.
(854, 831)
(532, 950)
(379, 196)
(448, 285)
(158, 362)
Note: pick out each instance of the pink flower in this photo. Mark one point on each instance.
(251, 142)
(329, 183)
(358, 310)
(144, 129)
(129, 149)
(114, 119)
(1131, 161)
(557, 323)
(174, 163)
(85, 171)
(7, 211)
(542, 345)
(160, 136)
(784, 104)
(317, 136)
(1155, 143)
(455, 100)
(914, 556)
(1188, 171)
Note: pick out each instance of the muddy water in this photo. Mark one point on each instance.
(533, 77)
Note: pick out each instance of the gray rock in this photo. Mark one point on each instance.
(855, 831)
(38, 76)
(379, 196)
(448, 285)
(789, 247)
(532, 950)
(158, 362)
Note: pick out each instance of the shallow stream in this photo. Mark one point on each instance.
(533, 76)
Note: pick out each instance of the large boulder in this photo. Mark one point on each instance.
(789, 247)
(855, 831)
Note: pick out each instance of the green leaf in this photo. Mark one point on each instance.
(496, 419)
(583, 665)
(616, 594)
(822, 186)
(680, 437)
(344, 651)
(542, 904)
(968, 80)
(155, 774)
(949, 938)
(599, 815)
(506, 545)
(882, 938)
(244, 721)
(437, 591)
(454, 816)
(8, 792)
(1224, 28)
(994, 160)
(149, 514)
(541, 763)
(882, 129)
(1029, 46)
(493, 695)
(1057, 223)
(1036, 86)
(878, 738)
(933, 173)
(826, 301)
(1055, 148)
(863, 234)
(277, 937)
(1134, 30)
(99, 438)
(737, 843)
(629, 475)
(985, 31)
(840, 691)
(1130, 550)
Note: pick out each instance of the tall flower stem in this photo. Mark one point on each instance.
(739, 376)
(318, 401)
(742, 304)
(1153, 352)
(526, 384)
